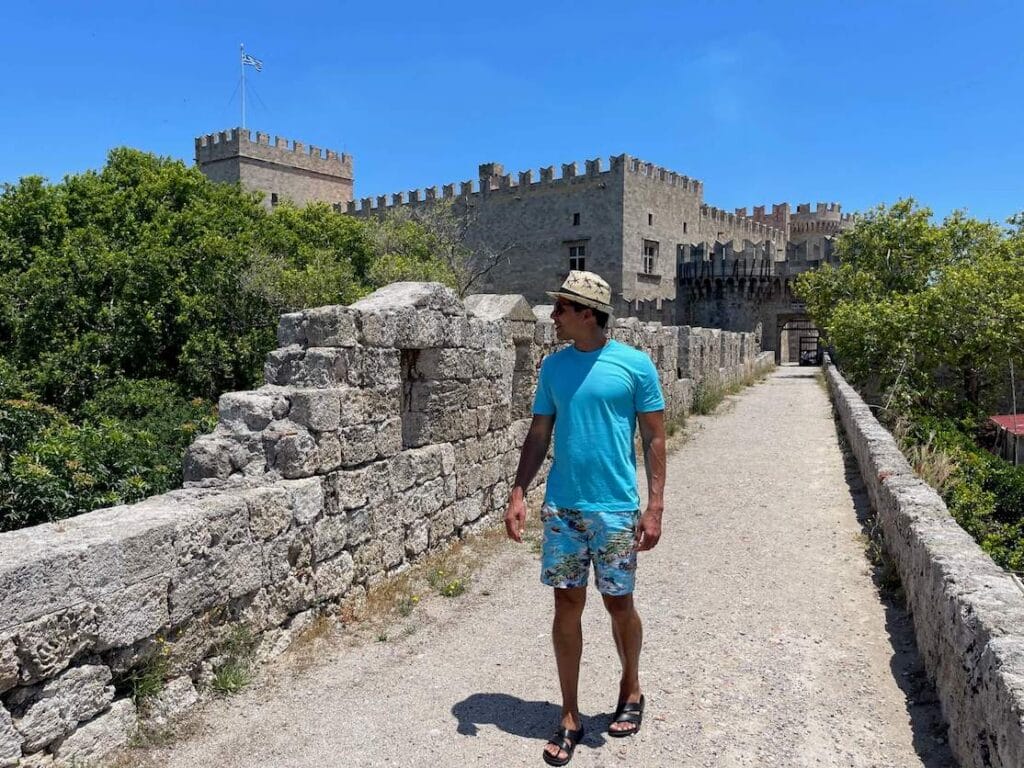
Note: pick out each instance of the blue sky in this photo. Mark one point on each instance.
(857, 102)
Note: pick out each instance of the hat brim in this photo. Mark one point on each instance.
(581, 300)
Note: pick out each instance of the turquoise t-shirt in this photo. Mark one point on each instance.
(595, 397)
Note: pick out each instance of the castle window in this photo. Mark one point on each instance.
(684, 227)
(650, 256)
(575, 219)
(577, 256)
(650, 219)
(273, 199)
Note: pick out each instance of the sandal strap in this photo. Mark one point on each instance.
(629, 711)
(567, 739)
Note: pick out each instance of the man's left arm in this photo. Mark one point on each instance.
(652, 435)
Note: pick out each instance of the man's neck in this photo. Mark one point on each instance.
(591, 343)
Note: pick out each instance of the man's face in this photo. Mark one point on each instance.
(570, 320)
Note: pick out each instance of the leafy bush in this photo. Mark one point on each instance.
(984, 493)
(52, 468)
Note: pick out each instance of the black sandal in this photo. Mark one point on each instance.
(566, 741)
(627, 712)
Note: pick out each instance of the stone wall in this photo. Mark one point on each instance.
(385, 430)
(968, 613)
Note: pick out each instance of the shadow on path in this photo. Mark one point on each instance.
(923, 708)
(527, 719)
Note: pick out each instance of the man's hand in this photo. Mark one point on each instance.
(515, 517)
(648, 529)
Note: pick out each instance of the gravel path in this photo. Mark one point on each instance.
(767, 643)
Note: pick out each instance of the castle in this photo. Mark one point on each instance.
(667, 254)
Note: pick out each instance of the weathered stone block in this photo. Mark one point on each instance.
(328, 446)
(359, 523)
(388, 441)
(417, 538)
(483, 334)
(291, 329)
(438, 364)
(348, 488)
(499, 306)
(324, 367)
(132, 613)
(368, 560)
(333, 578)
(307, 499)
(385, 327)
(468, 509)
(378, 486)
(62, 703)
(433, 396)
(291, 450)
(358, 444)
(289, 553)
(416, 465)
(10, 741)
(393, 548)
(47, 645)
(317, 409)
(501, 417)
(284, 366)
(366, 406)
(442, 527)
(246, 411)
(422, 296)
(371, 367)
(216, 521)
(224, 573)
(269, 511)
(208, 457)
(276, 602)
(333, 326)
(98, 738)
(330, 535)
(8, 662)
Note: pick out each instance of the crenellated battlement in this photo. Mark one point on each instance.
(739, 221)
(239, 143)
(822, 211)
(492, 181)
(671, 178)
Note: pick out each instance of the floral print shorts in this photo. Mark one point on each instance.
(572, 539)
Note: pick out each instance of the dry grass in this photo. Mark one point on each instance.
(932, 464)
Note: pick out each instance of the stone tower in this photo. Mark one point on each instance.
(284, 170)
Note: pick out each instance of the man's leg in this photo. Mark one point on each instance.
(629, 636)
(567, 637)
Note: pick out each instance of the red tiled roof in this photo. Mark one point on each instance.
(1007, 423)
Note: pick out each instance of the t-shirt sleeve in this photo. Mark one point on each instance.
(648, 395)
(543, 403)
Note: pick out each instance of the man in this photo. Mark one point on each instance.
(591, 394)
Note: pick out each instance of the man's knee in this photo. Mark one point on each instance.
(618, 605)
(570, 601)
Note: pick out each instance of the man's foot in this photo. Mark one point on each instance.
(627, 718)
(559, 750)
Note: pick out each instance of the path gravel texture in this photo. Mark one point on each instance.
(767, 642)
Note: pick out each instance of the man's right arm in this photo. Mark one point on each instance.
(535, 448)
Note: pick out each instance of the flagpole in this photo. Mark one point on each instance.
(242, 63)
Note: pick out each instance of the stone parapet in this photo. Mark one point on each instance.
(385, 430)
(968, 613)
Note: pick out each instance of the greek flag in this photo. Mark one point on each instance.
(252, 61)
